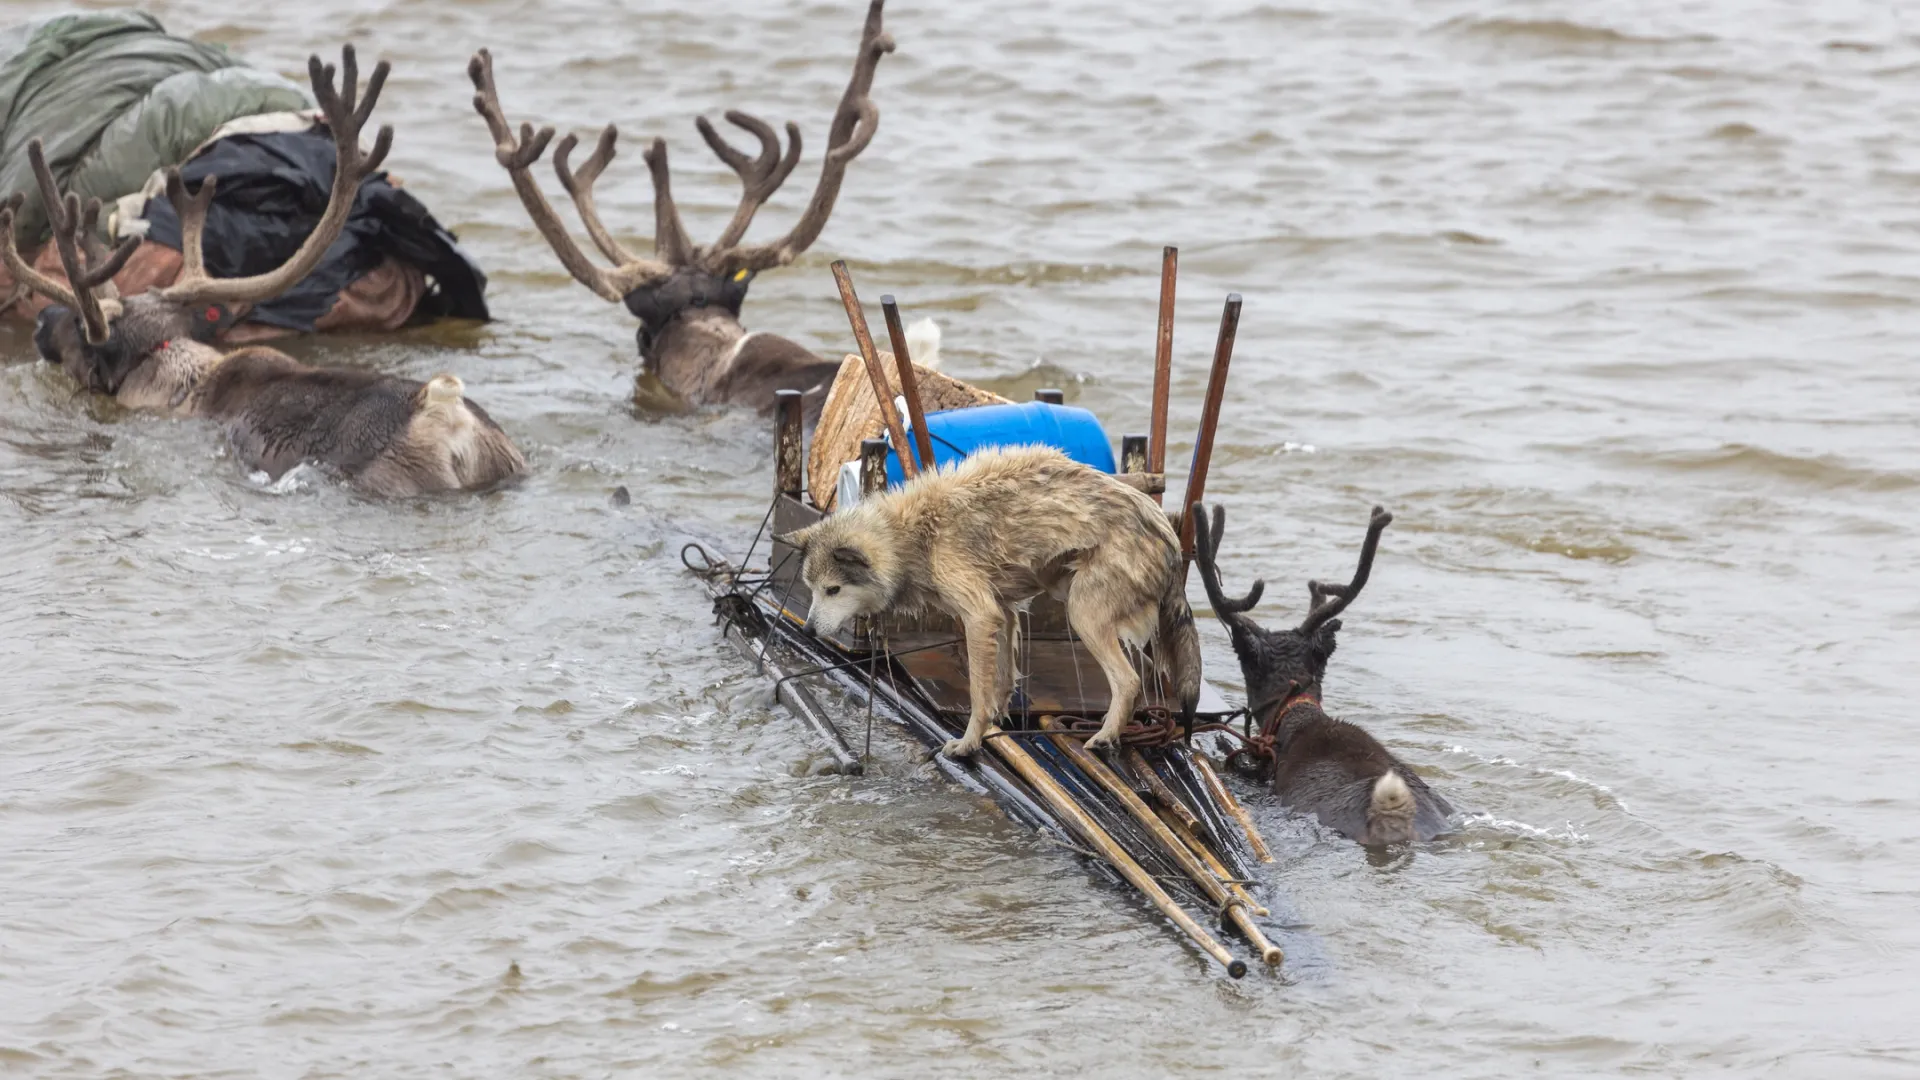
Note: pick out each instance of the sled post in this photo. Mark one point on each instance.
(873, 466)
(909, 383)
(1209, 419)
(1051, 396)
(1162, 365)
(787, 454)
(882, 393)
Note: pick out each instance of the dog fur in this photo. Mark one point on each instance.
(998, 528)
(1326, 767)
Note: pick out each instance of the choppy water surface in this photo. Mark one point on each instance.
(1612, 306)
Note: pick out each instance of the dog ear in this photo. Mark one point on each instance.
(847, 556)
(797, 538)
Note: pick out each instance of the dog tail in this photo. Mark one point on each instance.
(1390, 810)
(1181, 641)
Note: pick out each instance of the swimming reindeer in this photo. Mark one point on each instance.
(688, 296)
(383, 435)
(1323, 766)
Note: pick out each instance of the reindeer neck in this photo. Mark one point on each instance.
(168, 379)
(1295, 710)
(693, 352)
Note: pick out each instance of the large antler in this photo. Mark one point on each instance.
(1206, 555)
(517, 157)
(89, 267)
(854, 124)
(346, 116)
(1344, 594)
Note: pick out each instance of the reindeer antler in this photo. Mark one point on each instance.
(89, 267)
(1345, 594)
(760, 175)
(346, 115)
(518, 155)
(1206, 555)
(854, 124)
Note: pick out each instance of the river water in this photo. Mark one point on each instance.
(1610, 305)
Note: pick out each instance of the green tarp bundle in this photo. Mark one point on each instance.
(114, 97)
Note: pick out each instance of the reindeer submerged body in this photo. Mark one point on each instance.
(384, 435)
(1323, 766)
(687, 296)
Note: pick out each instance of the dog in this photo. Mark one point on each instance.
(1327, 767)
(1000, 527)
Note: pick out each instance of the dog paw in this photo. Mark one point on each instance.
(1101, 739)
(960, 747)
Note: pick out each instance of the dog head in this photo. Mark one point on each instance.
(845, 562)
(1277, 662)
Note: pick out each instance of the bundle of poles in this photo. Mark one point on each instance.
(1197, 847)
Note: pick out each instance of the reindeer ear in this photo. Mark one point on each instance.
(1323, 639)
(847, 556)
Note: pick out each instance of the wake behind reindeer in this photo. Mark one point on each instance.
(1001, 527)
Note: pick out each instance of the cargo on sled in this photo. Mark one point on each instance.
(1154, 814)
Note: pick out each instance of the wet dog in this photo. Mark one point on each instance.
(1323, 766)
(999, 528)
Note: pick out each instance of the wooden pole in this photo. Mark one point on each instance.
(1192, 840)
(909, 382)
(787, 443)
(1215, 889)
(1051, 396)
(1225, 797)
(875, 373)
(1159, 789)
(1069, 810)
(873, 466)
(1162, 364)
(1209, 419)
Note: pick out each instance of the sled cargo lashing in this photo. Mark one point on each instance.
(1152, 814)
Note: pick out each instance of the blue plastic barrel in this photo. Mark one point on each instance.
(959, 432)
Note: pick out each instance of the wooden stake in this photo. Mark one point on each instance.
(1067, 809)
(1162, 364)
(875, 373)
(787, 449)
(1225, 797)
(1209, 419)
(1215, 889)
(873, 466)
(909, 382)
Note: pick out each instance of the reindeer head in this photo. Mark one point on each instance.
(1276, 662)
(101, 339)
(684, 285)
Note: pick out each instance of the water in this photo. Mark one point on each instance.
(1605, 304)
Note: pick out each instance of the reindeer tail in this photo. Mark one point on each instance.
(1390, 811)
(923, 342)
(1179, 642)
(441, 391)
